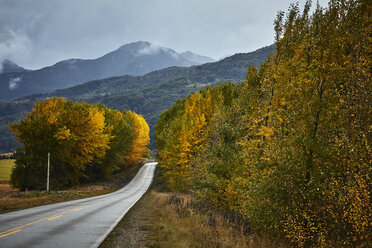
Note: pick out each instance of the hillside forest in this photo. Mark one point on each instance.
(289, 149)
(148, 95)
(86, 143)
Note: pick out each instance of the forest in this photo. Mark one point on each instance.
(289, 149)
(86, 143)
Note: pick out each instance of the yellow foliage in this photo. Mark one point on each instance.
(78, 136)
(140, 132)
(265, 131)
(293, 151)
(63, 133)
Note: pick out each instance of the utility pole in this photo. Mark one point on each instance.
(48, 172)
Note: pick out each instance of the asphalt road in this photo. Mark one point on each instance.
(79, 223)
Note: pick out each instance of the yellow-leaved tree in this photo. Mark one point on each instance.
(140, 132)
(85, 142)
(73, 133)
(292, 151)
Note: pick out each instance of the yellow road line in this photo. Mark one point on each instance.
(55, 217)
(17, 229)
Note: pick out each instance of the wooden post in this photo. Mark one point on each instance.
(48, 171)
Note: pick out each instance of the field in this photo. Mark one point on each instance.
(6, 166)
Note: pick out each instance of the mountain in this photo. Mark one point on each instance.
(9, 66)
(148, 95)
(199, 59)
(137, 58)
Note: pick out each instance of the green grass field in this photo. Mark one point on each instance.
(6, 166)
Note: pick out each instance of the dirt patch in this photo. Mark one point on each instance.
(6, 189)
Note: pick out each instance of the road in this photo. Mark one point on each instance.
(79, 223)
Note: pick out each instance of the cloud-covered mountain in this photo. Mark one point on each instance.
(148, 95)
(7, 66)
(199, 59)
(135, 59)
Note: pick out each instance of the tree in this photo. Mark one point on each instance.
(121, 138)
(86, 142)
(140, 133)
(74, 133)
(292, 150)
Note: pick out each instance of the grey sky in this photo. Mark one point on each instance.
(38, 33)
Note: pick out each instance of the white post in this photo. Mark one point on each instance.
(48, 172)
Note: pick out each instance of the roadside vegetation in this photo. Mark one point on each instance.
(163, 219)
(181, 220)
(94, 150)
(289, 149)
(12, 199)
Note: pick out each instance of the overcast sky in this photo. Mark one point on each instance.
(38, 33)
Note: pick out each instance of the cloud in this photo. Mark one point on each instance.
(150, 49)
(174, 54)
(14, 45)
(91, 28)
(13, 83)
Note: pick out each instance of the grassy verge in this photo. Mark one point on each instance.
(13, 199)
(180, 220)
(164, 219)
(6, 166)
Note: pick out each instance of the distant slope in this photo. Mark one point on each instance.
(231, 68)
(9, 66)
(136, 59)
(199, 59)
(148, 95)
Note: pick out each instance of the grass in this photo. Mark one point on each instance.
(180, 220)
(6, 166)
(13, 199)
(163, 219)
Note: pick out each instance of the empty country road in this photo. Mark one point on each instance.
(79, 223)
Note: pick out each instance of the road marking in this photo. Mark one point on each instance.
(17, 229)
(55, 217)
(78, 209)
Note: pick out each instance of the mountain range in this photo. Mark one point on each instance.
(148, 95)
(135, 59)
(9, 66)
(196, 57)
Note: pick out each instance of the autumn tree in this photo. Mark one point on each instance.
(140, 133)
(323, 63)
(291, 151)
(121, 144)
(168, 143)
(85, 142)
(74, 133)
(181, 133)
